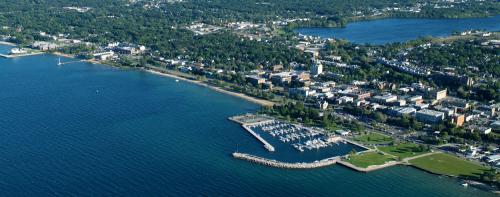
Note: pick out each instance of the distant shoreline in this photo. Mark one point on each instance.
(261, 102)
(8, 43)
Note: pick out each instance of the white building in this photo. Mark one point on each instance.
(316, 69)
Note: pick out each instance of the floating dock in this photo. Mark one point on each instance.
(279, 164)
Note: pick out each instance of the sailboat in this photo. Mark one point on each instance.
(59, 62)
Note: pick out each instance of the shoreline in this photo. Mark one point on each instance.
(251, 99)
(261, 102)
(7, 43)
(258, 101)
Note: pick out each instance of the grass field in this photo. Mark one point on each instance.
(373, 138)
(403, 150)
(446, 164)
(369, 158)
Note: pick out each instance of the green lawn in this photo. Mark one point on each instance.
(446, 164)
(373, 138)
(403, 150)
(369, 158)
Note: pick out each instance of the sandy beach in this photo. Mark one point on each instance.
(63, 54)
(7, 43)
(239, 95)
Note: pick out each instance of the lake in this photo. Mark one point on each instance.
(400, 30)
(92, 130)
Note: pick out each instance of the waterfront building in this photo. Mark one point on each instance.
(104, 55)
(255, 80)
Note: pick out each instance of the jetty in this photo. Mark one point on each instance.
(267, 145)
(279, 164)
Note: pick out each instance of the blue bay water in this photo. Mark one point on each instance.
(399, 30)
(92, 130)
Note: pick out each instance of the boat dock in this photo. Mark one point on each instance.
(267, 145)
(279, 164)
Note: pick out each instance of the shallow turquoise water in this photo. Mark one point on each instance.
(92, 130)
(400, 30)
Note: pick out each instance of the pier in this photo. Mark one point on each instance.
(267, 145)
(279, 164)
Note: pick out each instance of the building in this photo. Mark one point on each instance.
(283, 78)
(255, 80)
(44, 46)
(104, 55)
(316, 69)
(301, 76)
(358, 95)
(385, 98)
(303, 91)
(429, 116)
(439, 95)
(322, 105)
(458, 119)
(402, 111)
(277, 68)
(445, 110)
(345, 99)
(415, 99)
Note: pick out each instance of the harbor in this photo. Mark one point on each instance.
(292, 143)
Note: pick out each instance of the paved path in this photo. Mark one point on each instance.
(406, 160)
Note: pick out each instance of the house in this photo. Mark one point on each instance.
(345, 99)
(322, 105)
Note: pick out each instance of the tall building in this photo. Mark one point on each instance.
(439, 95)
(316, 69)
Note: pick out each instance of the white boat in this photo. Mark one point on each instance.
(465, 184)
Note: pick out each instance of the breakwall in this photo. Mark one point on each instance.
(279, 164)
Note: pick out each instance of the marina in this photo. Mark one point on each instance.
(293, 143)
(301, 138)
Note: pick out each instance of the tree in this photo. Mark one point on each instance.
(379, 117)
